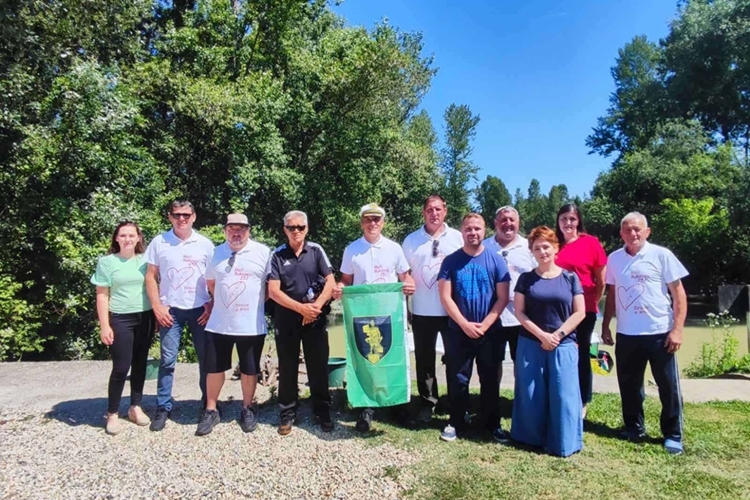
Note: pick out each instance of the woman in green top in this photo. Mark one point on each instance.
(126, 319)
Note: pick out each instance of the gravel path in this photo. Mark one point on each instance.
(63, 453)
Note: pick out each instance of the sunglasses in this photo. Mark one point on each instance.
(371, 220)
(291, 229)
(232, 259)
(505, 255)
(435, 245)
(180, 216)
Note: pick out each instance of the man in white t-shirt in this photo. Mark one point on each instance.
(640, 279)
(425, 249)
(514, 248)
(236, 279)
(373, 259)
(176, 287)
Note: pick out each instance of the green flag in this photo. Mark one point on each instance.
(377, 358)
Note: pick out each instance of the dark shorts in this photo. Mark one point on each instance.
(218, 352)
(508, 335)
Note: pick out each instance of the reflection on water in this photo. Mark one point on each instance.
(696, 333)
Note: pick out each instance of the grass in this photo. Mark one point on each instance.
(716, 463)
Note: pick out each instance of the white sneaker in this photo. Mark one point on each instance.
(448, 434)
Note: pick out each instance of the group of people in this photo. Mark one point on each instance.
(536, 297)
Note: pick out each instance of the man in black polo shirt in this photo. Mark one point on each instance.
(300, 282)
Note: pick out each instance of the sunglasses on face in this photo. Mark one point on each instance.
(435, 245)
(291, 229)
(181, 216)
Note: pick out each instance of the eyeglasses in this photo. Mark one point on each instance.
(372, 220)
(435, 245)
(291, 229)
(232, 259)
(180, 215)
(504, 254)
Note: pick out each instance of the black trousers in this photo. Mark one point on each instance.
(425, 329)
(133, 335)
(314, 339)
(632, 353)
(585, 375)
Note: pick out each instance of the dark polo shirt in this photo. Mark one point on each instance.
(296, 275)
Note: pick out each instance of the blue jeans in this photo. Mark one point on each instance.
(547, 403)
(632, 352)
(170, 346)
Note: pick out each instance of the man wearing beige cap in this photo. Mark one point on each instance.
(236, 279)
(373, 259)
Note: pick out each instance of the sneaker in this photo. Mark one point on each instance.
(673, 447)
(160, 419)
(285, 427)
(448, 434)
(425, 415)
(632, 435)
(114, 425)
(500, 436)
(326, 424)
(364, 422)
(208, 422)
(248, 420)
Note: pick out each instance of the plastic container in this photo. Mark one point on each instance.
(336, 372)
(152, 368)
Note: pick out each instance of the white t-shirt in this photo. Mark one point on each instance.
(379, 262)
(182, 266)
(643, 304)
(519, 260)
(240, 290)
(425, 268)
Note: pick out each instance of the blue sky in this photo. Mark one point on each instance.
(536, 71)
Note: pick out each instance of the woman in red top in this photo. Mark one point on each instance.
(583, 254)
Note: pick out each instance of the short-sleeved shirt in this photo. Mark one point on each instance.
(519, 259)
(425, 267)
(125, 279)
(548, 302)
(643, 303)
(474, 282)
(182, 266)
(239, 289)
(582, 257)
(297, 274)
(379, 262)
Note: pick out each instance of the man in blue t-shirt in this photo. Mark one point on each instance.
(473, 286)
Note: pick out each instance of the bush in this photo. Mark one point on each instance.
(719, 357)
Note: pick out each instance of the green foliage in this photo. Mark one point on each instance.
(537, 209)
(19, 320)
(491, 195)
(111, 109)
(720, 356)
(458, 170)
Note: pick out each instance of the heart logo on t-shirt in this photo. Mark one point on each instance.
(229, 293)
(628, 295)
(429, 275)
(178, 277)
(379, 280)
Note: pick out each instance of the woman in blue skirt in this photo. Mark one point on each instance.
(549, 304)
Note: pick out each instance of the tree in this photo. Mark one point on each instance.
(456, 166)
(491, 195)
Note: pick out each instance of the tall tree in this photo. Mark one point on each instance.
(459, 172)
(491, 195)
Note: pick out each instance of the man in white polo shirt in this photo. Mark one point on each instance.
(236, 279)
(640, 279)
(373, 259)
(425, 249)
(179, 259)
(514, 248)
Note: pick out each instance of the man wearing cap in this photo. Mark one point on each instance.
(425, 249)
(373, 259)
(515, 250)
(236, 279)
(300, 282)
(179, 297)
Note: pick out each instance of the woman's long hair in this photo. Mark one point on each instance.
(568, 207)
(114, 247)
